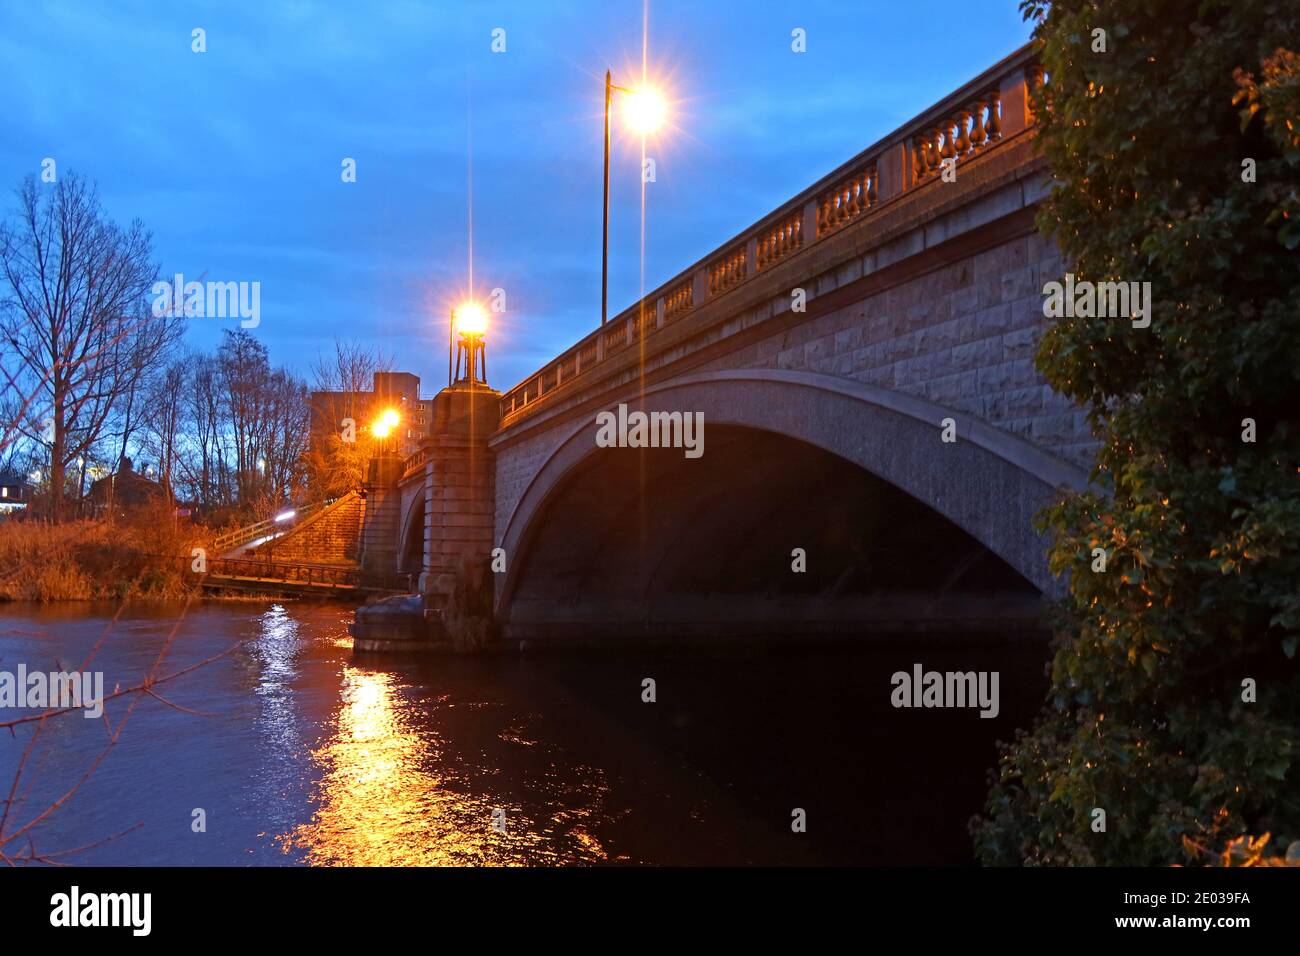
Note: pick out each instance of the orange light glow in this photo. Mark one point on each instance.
(385, 424)
(471, 319)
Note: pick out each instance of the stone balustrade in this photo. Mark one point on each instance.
(848, 200)
(679, 301)
(971, 121)
(727, 272)
(784, 238)
(975, 125)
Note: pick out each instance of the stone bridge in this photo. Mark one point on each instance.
(876, 438)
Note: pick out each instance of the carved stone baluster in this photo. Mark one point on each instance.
(963, 138)
(871, 186)
(1034, 77)
(933, 141)
(994, 125)
(978, 136)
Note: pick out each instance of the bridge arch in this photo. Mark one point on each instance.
(410, 554)
(989, 483)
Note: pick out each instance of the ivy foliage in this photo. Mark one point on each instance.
(1175, 155)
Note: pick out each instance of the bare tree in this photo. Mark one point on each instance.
(350, 369)
(343, 382)
(244, 369)
(164, 417)
(287, 420)
(207, 468)
(76, 318)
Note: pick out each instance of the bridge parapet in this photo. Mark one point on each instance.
(989, 111)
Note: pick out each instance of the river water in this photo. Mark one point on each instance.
(287, 750)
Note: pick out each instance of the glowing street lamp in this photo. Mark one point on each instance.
(385, 423)
(644, 109)
(469, 321)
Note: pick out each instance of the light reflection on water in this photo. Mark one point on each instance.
(300, 753)
(390, 795)
(275, 652)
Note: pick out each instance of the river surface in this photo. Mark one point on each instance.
(285, 749)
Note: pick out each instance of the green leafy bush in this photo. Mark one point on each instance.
(1148, 144)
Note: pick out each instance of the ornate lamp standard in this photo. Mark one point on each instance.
(469, 322)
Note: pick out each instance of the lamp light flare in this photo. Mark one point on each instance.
(385, 424)
(471, 319)
(644, 109)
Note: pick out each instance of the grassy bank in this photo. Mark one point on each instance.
(142, 556)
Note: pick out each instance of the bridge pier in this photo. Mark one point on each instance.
(459, 489)
(454, 499)
(379, 541)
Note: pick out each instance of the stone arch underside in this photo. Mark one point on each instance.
(896, 524)
(410, 554)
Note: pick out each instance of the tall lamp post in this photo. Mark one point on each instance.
(645, 113)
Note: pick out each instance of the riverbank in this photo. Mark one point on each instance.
(144, 556)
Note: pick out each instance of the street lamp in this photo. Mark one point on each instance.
(645, 110)
(385, 423)
(470, 322)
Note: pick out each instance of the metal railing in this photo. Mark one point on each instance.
(253, 570)
(234, 538)
(224, 572)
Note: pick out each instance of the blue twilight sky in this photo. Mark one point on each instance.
(232, 157)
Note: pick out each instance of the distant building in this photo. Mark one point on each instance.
(399, 391)
(15, 492)
(127, 488)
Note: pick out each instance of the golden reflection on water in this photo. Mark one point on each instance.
(391, 794)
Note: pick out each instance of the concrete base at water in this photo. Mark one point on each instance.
(401, 624)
